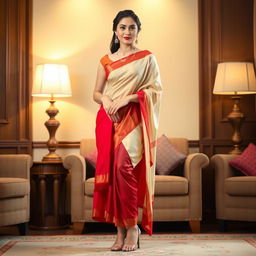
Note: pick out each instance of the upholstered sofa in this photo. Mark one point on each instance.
(15, 190)
(235, 193)
(177, 198)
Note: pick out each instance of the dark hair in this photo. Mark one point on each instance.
(122, 14)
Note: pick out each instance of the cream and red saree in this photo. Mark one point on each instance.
(125, 170)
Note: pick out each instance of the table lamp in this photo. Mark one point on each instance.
(235, 78)
(52, 80)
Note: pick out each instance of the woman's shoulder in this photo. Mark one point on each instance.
(105, 59)
(150, 55)
(104, 56)
(147, 51)
(152, 60)
(143, 52)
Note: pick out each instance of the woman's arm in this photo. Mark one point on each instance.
(119, 103)
(99, 85)
(133, 98)
(98, 93)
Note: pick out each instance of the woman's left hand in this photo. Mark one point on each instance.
(117, 104)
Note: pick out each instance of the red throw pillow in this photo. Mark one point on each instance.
(246, 162)
(167, 156)
(92, 157)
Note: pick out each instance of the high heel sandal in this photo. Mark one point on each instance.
(138, 242)
(117, 247)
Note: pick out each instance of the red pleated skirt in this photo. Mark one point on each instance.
(121, 191)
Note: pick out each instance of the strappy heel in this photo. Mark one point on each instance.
(138, 242)
(137, 245)
(116, 247)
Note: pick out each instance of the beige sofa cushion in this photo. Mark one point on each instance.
(165, 185)
(241, 186)
(13, 187)
(170, 185)
(89, 187)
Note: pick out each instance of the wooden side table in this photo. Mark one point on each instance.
(48, 196)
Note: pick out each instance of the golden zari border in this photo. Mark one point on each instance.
(103, 178)
(117, 221)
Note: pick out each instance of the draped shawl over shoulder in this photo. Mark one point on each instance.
(138, 74)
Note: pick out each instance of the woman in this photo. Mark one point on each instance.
(128, 88)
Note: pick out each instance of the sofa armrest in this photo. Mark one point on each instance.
(15, 165)
(221, 164)
(193, 172)
(193, 165)
(222, 171)
(76, 165)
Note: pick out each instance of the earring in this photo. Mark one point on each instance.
(136, 41)
(116, 40)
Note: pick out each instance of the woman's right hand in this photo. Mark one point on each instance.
(107, 102)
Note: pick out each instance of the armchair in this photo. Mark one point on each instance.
(177, 198)
(15, 190)
(235, 195)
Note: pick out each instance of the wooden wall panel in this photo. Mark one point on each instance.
(3, 107)
(225, 34)
(236, 30)
(15, 106)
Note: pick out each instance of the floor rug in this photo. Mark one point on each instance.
(173, 244)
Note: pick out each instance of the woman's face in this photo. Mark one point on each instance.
(127, 31)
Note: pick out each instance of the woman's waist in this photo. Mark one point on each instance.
(131, 108)
(116, 94)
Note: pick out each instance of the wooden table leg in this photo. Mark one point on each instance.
(42, 191)
(56, 193)
(33, 198)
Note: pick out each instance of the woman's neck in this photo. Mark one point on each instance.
(125, 49)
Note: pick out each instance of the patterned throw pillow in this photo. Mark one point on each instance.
(167, 156)
(246, 162)
(92, 157)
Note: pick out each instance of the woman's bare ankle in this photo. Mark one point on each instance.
(121, 231)
(120, 237)
(131, 238)
(132, 228)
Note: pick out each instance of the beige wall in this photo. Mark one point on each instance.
(78, 33)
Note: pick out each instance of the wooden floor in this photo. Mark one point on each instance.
(159, 228)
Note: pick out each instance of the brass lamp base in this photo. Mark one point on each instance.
(52, 125)
(236, 150)
(52, 157)
(236, 118)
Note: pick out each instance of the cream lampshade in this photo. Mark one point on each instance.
(235, 78)
(52, 80)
